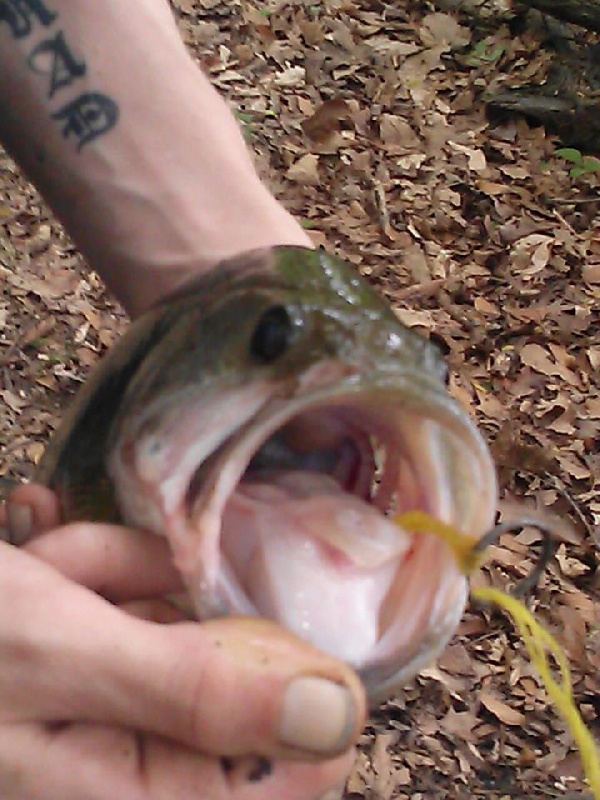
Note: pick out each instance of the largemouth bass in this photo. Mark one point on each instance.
(267, 419)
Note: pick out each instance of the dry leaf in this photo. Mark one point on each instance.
(305, 171)
(591, 273)
(12, 400)
(475, 158)
(459, 723)
(394, 130)
(327, 120)
(292, 76)
(443, 28)
(312, 31)
(504, 712)
(537, 357)
(35, 451)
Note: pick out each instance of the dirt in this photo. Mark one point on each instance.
(368, 121)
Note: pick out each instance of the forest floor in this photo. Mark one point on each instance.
(368, 121)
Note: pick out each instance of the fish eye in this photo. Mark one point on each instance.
(273, 334)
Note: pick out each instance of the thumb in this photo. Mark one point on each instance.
(243, 685)
(227, 687)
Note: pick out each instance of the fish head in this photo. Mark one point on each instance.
(283, 417)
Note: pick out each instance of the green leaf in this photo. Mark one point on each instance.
(494, 54)
(569, 154)
(484, 51)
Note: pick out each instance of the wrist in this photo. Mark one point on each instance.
(142, 277)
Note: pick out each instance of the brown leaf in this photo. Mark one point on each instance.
(38, 330)
(591, 273)
(305, 171)
(34, 451)
(504, 712)
(443, 28)
(514, 172)
(12, 400)
(326, 120)
(459, 723)
(312, 31)
(475, 157)
(291, 76)
(395, 130)
(538, 358)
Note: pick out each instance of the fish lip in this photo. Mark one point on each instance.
(382, 681)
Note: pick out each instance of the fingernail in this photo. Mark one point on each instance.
(334, 794)
(19, 519)
(318, 716)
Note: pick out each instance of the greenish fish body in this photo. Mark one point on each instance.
(267, 420)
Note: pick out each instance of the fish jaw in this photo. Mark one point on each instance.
(312, 548)
(152, 465)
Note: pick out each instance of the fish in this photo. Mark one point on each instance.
(271, 419)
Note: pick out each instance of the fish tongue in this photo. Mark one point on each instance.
(314, 558)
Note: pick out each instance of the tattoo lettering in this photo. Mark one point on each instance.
(87, 117)
(53, 58)
(20, 15)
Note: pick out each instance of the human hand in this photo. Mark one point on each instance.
(97, 703)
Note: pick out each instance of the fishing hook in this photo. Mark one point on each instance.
(549, 545)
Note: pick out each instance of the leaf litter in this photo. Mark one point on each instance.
(367, 120)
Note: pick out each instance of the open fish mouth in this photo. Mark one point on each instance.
(286, 512)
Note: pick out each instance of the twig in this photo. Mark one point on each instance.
(425, 289)
(568, 201)
(382, 207)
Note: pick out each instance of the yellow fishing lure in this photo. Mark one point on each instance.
(540, 644)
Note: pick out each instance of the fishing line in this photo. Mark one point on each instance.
(539, 643)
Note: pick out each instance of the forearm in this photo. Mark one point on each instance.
(129, 143)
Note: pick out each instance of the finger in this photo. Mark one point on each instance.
(230, 687)
(119, 563)
(30, 510)
(155, 610)
(86, 762)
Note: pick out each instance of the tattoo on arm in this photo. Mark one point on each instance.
(83, 117)
(87, 117)
(22, 15)
(53, 59)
